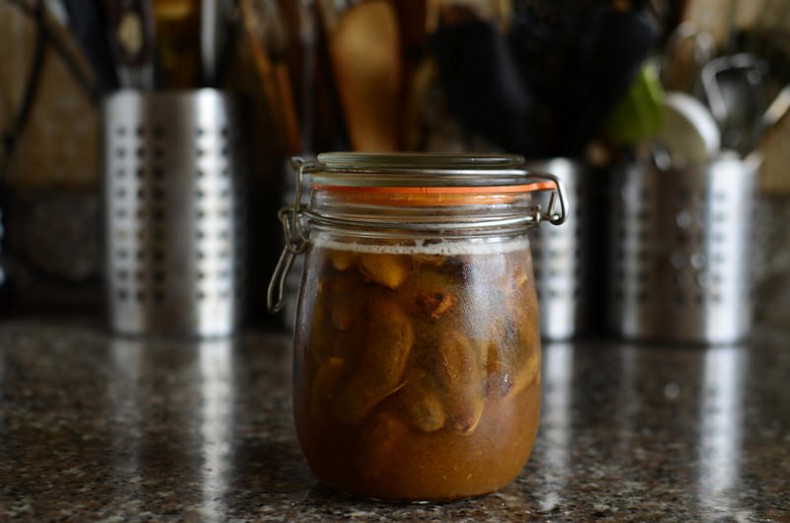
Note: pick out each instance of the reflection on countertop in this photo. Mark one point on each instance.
(100, 428)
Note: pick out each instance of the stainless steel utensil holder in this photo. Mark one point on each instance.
(561, 255)
(680, 252)
(174, 223)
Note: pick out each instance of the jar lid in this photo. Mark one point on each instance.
(423, 173)
(347, 160)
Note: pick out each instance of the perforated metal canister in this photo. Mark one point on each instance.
(681, 250)
(562, 256)
(174, 221)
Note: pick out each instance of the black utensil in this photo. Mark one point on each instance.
(544, 38)
(481, 80)
(611, 53)
(87, 24)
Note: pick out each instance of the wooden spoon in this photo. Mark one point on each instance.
(364, 48)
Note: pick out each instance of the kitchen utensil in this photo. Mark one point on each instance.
(308, 36)
(689, 135)
(733, 88)
(777, 110)
(731, 26)
(213, 39)
(412, 24)
(771, 155)
(278, 50)
(712, 17)
(612, 51)
(178, 42)
(483, 84)
(639, 116)
(279, 100)
(332, 10)
(687, 50)
(544, 38)
(173, 165)
(364, 48)
(769, 23)
(87, 24)
(218, 30)
(6, 282)
(772, 123)
(132, 37)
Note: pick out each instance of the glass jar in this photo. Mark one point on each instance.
(417, 344)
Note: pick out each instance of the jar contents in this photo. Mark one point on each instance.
(417, 371)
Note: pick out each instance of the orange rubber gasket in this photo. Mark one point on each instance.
(433, 196)
(470, 190)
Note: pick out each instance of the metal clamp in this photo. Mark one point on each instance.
(295, 236)
(557, 196)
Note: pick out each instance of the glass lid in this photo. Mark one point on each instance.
(405, 170)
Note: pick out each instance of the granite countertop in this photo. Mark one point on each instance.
(96, 428)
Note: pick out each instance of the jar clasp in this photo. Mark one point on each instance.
(295, 241)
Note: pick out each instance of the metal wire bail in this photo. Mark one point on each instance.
(291, 219)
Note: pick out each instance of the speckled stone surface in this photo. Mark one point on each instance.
(95, 428)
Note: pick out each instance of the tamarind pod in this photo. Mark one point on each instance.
(461, 379)
(420, 404)
(344, 308)
(325, 384)
(389, 270)
(514, 362)
(342, 260)
(428, 294)
(379, 373)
